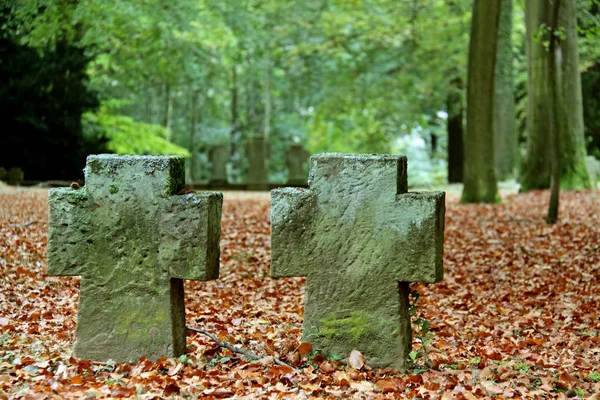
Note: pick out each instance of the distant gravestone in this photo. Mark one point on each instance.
(258, 163)
(359, 238)
(133, 241)
(593, 166)
(15, 176)
(218, 157)
(297, 161)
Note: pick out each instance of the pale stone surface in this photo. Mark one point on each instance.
(297, 164)
(593, 166)
(258, 163)
(133, 240)
(359, 237)
(218, 157)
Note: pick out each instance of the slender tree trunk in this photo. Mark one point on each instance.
(479, 176)
(455, 132)
(541, 33)
(267, 99)
(234, 111)
(192, 133)
(154, 105)
(554, 67)
(505, 131)
(168, 112)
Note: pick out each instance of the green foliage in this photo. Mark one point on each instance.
(43, 93)
(127, 136)
(345, 76)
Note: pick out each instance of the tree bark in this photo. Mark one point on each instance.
(168, 112)
(267, 99)
(554, 73)
(234, 135)
(192, 133)
(505, 131)
(455, 131)
(479, 176)
(541, 33)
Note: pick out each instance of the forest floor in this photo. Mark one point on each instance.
(516, 316)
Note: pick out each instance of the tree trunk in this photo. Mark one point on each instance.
(540, 34)
(554, 74)
(234, 135)
(455, 132)
(479, 176)
(168, 109)
(192, 133)
(267, 99)
(505, 130)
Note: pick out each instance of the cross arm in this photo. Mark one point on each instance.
(70, 232)
(190, 234)
(419, 225)
(292, 212)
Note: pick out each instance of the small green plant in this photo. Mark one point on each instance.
(522, 367)
(595, 376)
(422, 332)
(475, 361)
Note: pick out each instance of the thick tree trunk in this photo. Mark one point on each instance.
(479, 176)
(455, 132)
(541, 32)
(505, 132)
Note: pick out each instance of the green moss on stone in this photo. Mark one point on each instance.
(349, 329)
(114, 189)
(177, 176)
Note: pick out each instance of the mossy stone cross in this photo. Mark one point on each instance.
(360, 238)
(133, 241)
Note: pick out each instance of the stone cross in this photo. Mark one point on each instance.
(218, 157)
(296, 160)
(133, 239)
(359, 238)
(258, 163)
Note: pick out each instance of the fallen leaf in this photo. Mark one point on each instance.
(267, 361)
(362, 386)
(122, 392)
(356, 360)
(304, 348)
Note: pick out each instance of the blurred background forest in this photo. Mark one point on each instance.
(361, 76)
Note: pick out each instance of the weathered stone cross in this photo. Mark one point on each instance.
(359, 237)
(133, 241)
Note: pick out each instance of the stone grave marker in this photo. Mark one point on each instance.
(15, 176)
(133, 240)
(258, 163)
(218, 157)
(297, 160)
(359, 237)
